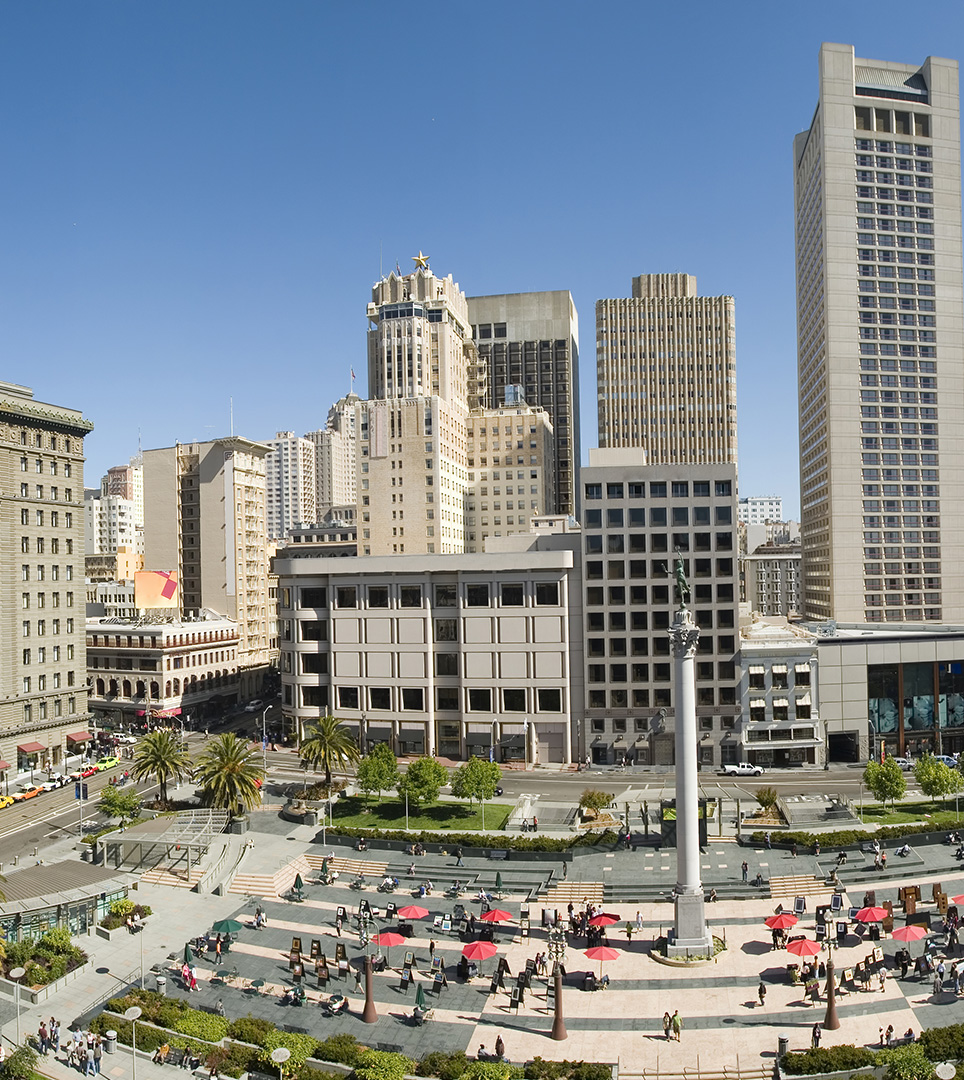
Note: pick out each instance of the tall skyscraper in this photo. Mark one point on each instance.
(666, 372)
(289, 483)
(877, 195)
(205, 517)
(532, 340)
(43, 666)
(335, 452)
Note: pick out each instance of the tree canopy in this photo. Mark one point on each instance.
(329, 743)
(422, 781)
(936, 779)
(122, 803)
(886, 781)
(476, 779)
(159, 755)
(230, 773)
(378, 771)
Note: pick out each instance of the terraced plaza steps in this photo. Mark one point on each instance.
(176, 877)
(276, 883)
(791, 885)
(575, 891)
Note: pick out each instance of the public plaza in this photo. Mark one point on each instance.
(724, 1024)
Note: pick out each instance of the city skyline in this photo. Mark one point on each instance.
(180, 229)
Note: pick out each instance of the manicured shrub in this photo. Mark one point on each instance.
(826, 1059)
(343, 1049)
(385, 1065)
(251, 1029)
(302, 1047)
(202, 1025)
(445, 1066)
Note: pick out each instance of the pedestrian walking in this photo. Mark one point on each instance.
(815, 1036)
(525, 824)
(793, 850)
(194, 986)
(766, 841)
(458, 856)
(499, 1048)
(677, 1025)
(667, 1024)
(217, 950)
(358, 980)
(565, 870)
(431, 951)
(535, 823)
(639, 920)
(762, 993)
(55, 1035)
(816, 847)
(745, 870)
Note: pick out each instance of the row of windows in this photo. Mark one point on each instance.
(40, 518)
(40, 600)
(659, 594)
(679, 489)
(706, 671)
(41, 654)
(40, 572)
(480, 594)
(41, 627)
(885, 147)
(656, 620)
(659, 516)
(41, 682)
(597, 647)
(40, 466)
(44, 709)
(447, 699)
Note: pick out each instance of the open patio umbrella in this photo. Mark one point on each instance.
(226, 926)
(412, 911)
(604, 919)
(783, 921)
(871, 914)
(958, 899)
(804, 947)
(388, 938)
(601, 953)
(495, 915)
(420, 997)
(479, 950)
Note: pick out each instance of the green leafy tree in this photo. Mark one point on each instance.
(329, 743)
(476, 779)
(230, 773)
(766, 797)
(594, 800)
(907, 1062)
(936, 779)
(422, 781)
(121, 803)
(378, 771)
(159, 756)
(885, 780)
(20, 1065)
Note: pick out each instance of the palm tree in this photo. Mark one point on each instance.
(230, 773)
(159, 754)
(329, 743)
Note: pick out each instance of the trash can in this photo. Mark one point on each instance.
(783, 1046)
(162, 985)
(110, 1042)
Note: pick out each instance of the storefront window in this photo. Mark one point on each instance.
(918, 697)
(882, 696)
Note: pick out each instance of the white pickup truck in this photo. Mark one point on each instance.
(742, 768)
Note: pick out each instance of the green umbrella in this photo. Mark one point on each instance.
(299, 884)
(498, 882)
(420, 997)
(188, 955)
(226, 926)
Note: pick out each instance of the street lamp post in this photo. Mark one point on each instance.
(557, 953)
(132, 1014)
(264, 738)
(17, 974)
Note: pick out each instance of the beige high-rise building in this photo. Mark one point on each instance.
(43, 668)
(205, 517)
(880, 351)
(335, 457)
(531, 340)
(289, 483)
(666, 372)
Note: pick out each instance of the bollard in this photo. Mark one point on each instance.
(783, 1046)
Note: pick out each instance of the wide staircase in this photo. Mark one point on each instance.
(575, 892)
(790, 885)
(175, 877)
(277, 883)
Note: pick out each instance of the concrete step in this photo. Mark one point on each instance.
(271, 885)
(576, 891)
(784, 888)
(172, 876)
(344, 865)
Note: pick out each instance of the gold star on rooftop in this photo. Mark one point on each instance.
(420, 260)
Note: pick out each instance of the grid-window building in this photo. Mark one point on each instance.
(335, 457)
(43, 680)
(531, 340)
(666, 371)
(880, 309)
(290, 479)
(759, 509)
(635, 519)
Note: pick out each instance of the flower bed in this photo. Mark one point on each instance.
(116, 917)
(45, 959)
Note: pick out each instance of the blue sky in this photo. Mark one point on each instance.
(197, 196)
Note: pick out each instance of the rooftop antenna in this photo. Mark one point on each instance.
(380, 274)
(232, 415)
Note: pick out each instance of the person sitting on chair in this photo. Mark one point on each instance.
(288, 996)
(418, 1015)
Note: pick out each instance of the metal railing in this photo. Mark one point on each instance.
(697, 1072)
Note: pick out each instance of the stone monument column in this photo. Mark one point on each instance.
(691, 935)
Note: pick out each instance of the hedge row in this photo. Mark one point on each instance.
(909, 1059)
(607, 838)
(842, 838)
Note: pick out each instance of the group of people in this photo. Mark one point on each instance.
(672, 1025)
(82, 1049)
(497, 1055)
(188, 1060)
(415, 849)
(189, 977)
(260, 919)
(134, 924)
(530, 826)
(887, 1037)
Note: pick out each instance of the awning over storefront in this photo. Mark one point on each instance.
(758, 703)
(801, 667)
(160, 713)
(78, 736)
(4, 765)
(779, 669)
(805, 700)
(756, 669)
(32, 747)
(781, 703)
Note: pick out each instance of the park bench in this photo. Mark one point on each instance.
(499, 853)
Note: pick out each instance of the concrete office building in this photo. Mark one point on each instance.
(759, 509)
(43, 681)
(110, 523)
(772, 580)
(335, 457)
(110, 600)
(449, 655)
(666, 372)
(880, 329)
(205, 517)
(531, 340)
(290, 480)
(635, 518)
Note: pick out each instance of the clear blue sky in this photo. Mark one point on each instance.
(195, 195)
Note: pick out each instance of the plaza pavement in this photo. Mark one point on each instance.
(724, 1024)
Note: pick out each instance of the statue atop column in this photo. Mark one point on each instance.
(682, 586)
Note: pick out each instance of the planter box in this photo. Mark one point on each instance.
(35, 994)
(103, 932)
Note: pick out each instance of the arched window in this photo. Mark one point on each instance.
(100, 687)
(155, 691)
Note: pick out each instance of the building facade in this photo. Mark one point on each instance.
(143, 672)
(880, 318)
(450, 656)
(666, 372)
(110, 523)
(111, 600)
(290, 483)
(531, 340)
(759, 509)
(43, 691)
(335, 457)
(772, 580)
(636, 519)
(205, 518)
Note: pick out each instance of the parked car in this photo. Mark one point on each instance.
(125, 740)
(108, 762)
(83, 772)
(741, 768)
(253, 706)
(950, 762)
(27, 791)
(906, 764)
(54, 781)
(6, 800)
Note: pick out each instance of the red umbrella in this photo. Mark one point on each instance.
(804, 947)
(909, 933)
(479, 950)
(388, 938)
(601, 953)
(413, 911)
(958, 899)
(871, 914)
(782, 921)
(603, 919)
(495, 915)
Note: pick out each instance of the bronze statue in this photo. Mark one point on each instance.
(682, 588)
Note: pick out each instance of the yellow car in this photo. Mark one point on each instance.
(6, 800)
